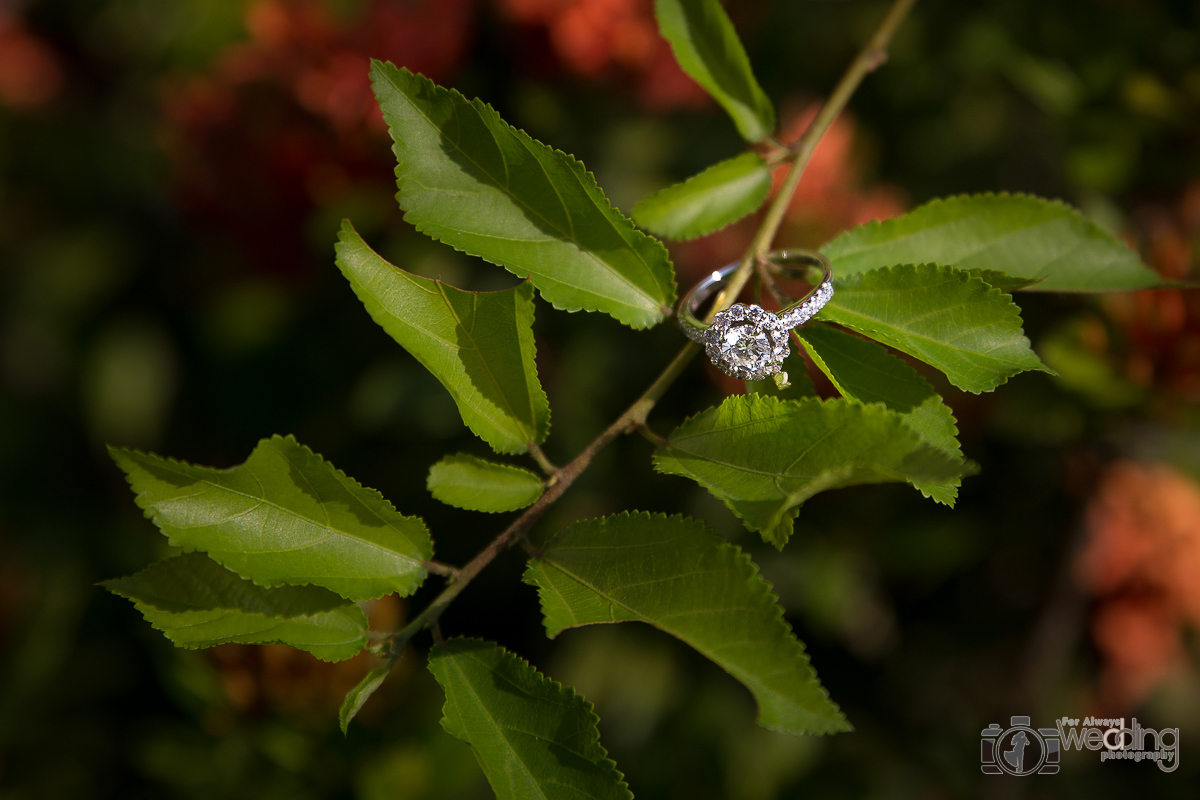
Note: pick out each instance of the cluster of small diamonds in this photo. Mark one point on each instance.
(809, 308)
(747, 342)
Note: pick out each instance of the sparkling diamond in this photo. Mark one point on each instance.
(747, 342)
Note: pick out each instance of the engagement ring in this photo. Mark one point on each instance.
(745, 340)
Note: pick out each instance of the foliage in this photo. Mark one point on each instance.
(1012, 234)
(284, 517)
(672, 573)
(764, 457)
(471, 180)
(480, 346)
(477, 485)
(941, 315)
(197, 603)
(532, 736)
(277, 546)
(719, 196)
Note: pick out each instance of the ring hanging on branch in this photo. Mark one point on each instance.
(745, 340)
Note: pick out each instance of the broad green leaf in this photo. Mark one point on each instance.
(706, 45)
(1012, 233)
(471, 180)
(865, 371)
(474, 484)
(478, 344)
(357, 697)
(719, 196)
(533, 737)
(675, 574)
(764, 457)
(198, 603)
(942, 316)
(285, 517)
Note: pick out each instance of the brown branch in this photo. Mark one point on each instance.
(634, 418)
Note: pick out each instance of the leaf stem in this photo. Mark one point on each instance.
(438, 568)
(869, 58)
(540, 457)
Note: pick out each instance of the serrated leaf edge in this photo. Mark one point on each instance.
(151, 514)
(569, 697)
(587, 180)
(761, 588)
(767, 533)
(1071, 210)
(1011, 310)
(688, 237)
(525, 337)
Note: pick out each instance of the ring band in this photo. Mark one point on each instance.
(745, 340)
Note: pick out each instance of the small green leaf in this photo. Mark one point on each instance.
(764, 457)
(471, 180)
(533, 737)
(942, 316)
(719, 196)
(198, 603)
(474, 484)
(478, 344)
(706, 45)
(357, 697)
(675, 574)
(1011, 233)
(866, 372)
(285, 517)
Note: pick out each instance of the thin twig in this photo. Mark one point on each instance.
(634, 417)
(873, 54)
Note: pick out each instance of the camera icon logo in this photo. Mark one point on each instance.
(1019, 750)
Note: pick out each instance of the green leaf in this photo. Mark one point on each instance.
(942, 316)
(533, 737)
(357, 697)
(719, 196)
(285, 517)
(1011, 233)
(706, 45)
(198, 603)
(474, 484)
(764, 457)
(478, 344)
(471, 180)
(675, 574)
(866, 372)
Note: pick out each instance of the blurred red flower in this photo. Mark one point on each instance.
(1141, 562)
(30, 73)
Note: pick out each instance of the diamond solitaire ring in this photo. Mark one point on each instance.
(746, 341)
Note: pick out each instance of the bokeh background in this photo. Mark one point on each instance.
(172, 175)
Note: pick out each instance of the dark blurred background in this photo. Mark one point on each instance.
(172, 175)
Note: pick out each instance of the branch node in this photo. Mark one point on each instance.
(876, 58)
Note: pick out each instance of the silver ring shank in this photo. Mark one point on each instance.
(790, 262)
